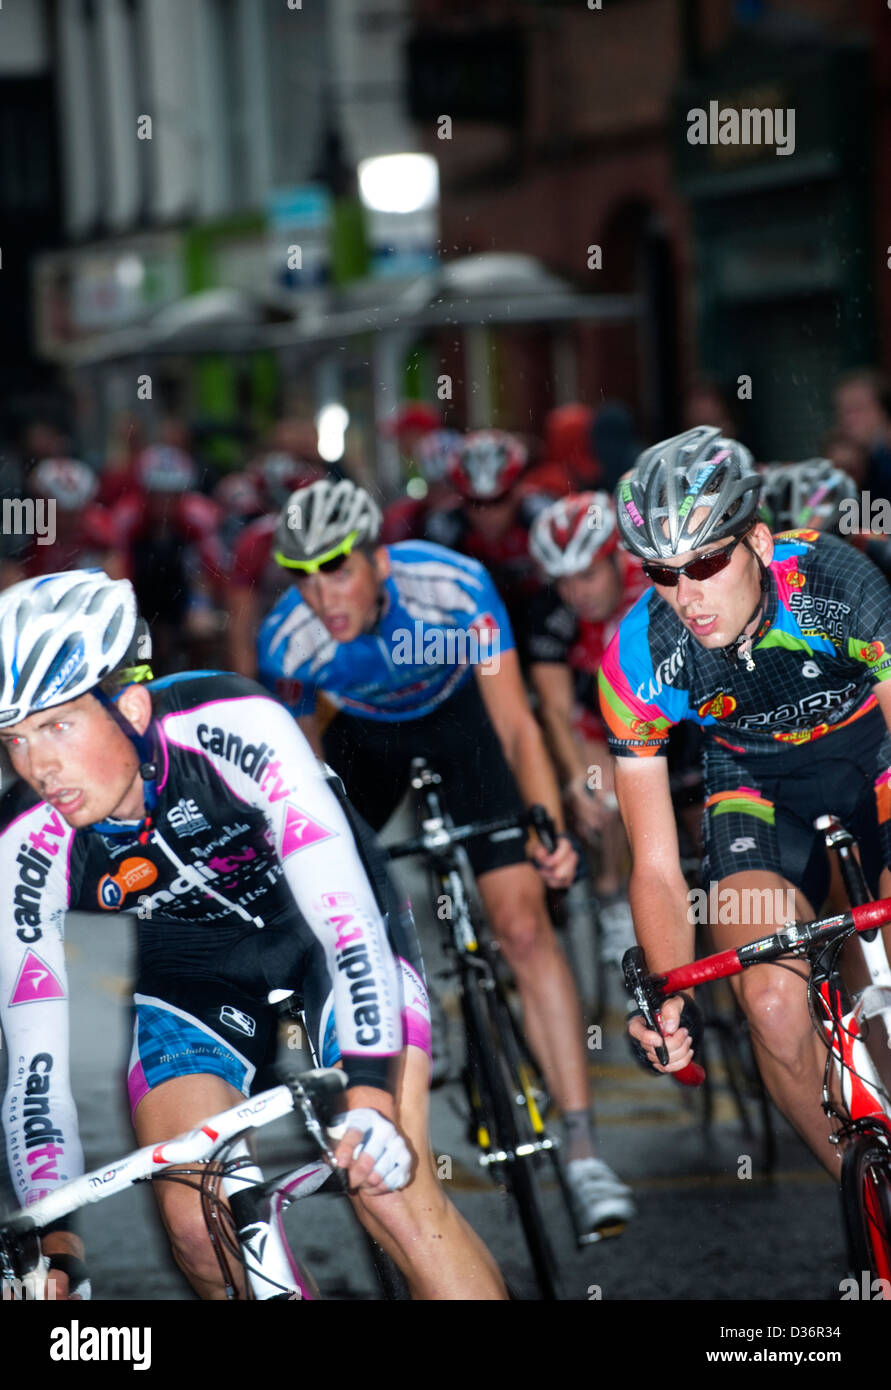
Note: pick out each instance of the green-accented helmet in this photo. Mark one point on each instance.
(322, 521)
(686, 491)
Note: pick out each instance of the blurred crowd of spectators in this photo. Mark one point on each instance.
(198, 543)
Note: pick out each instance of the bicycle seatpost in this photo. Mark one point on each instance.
(837, 838)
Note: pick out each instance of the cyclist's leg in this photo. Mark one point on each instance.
(420, 1229)
(182, 1069)
(764, 863)
(515, 903)
(168, 1109)
(790, 1055)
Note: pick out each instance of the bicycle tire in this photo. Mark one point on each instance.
(579, 935)
(524, 1071)
(487, 1064)
(866, 1207)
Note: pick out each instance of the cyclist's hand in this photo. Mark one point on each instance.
(588, 811)
(557, 869)
(676, 1038)
(64, 1283)
(372, 1152)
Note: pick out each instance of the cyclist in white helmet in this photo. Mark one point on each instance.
(228, 910)
(412, 644)
(593, 584)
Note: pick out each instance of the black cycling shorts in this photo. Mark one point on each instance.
(200, 999)
(459, 742)
(760, 812)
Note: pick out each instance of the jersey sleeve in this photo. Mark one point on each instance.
(322, 866)
(280, 664)
(491, 622)
(635, 703)
(869, 637)
(39, 1117)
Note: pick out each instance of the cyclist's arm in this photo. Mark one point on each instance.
(882, 692)
(243, 611)
(518, 733)
(38, 1114)
(657, 888)
(552, 682)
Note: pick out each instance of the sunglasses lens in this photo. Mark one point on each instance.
(661, 574)
(703, 568)
(709, 564)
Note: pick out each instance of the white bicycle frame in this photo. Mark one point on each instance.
(272, 1270)
(872, 1002)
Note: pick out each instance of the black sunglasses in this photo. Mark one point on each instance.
(703, 568)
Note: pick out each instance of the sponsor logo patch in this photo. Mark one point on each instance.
(719, 706)
(185, 818)
(35, 980)
(300, 831)
(132, 875)
(235, 1019)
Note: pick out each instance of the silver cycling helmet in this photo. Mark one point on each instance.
(569, 534)
(61, 636)
(805, 494)
(324, 520)
(686, 491)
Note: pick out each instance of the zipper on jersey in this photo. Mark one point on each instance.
(184, 869)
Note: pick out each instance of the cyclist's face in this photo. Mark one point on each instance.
(346, 598)
(594, 594)
(492, 520)
(78, 759)
(716, 610)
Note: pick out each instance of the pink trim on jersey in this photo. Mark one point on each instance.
(416, 1031)
(199, 752)
(137, 1086)
(163, 740)
(782, 569)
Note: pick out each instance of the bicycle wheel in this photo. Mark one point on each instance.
(497, 1129)
(577, 922)
(866, 1207)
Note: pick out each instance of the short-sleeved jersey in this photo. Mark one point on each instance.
(247, 838)
(824, 643)
(440, 616)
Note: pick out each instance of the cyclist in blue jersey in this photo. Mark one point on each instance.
(413, 646)
(779, 647)
(195, 802)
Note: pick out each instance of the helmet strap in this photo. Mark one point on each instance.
(145, 746)
(741, 647)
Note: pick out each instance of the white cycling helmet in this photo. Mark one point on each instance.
(323, 521)
(61, 636)
(68, 482)
(569, 534)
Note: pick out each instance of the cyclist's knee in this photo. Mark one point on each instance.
(522, 931)
(187, 1232)
(777, 1014)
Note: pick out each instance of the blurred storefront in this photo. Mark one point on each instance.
(781, 241)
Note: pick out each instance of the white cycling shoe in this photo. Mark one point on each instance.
(601, 1200)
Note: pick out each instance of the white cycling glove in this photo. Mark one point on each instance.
(381, 1139)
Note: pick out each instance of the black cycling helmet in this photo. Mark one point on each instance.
(686, 491)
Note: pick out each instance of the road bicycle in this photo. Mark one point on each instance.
(854, 1030)
(507, 1098)
(246, 1230)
